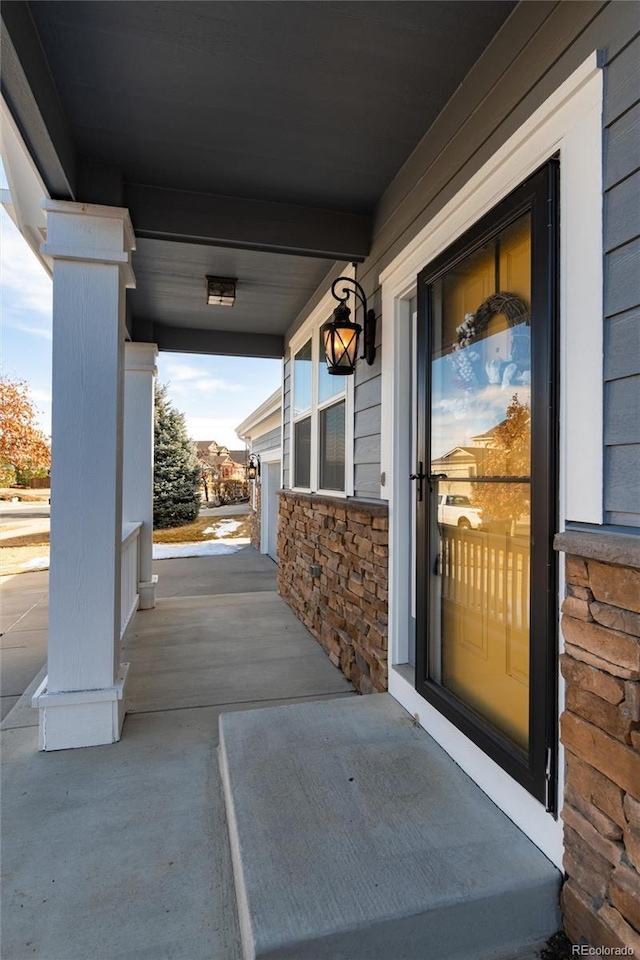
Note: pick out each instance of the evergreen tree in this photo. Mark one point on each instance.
(176, 471)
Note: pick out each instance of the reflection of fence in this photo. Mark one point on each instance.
(487, 573)
(129, 574)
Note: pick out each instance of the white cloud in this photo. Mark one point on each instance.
(41, 396)
(184, 379)
(180, 371)
(220, 429)
(211, 385)
(26, 287)
(33, 331)
(204, 385)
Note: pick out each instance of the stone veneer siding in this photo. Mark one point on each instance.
(600, 730)
(345, 605)
(255, 516)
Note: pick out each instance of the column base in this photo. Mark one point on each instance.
(147, 593)
(81, 718)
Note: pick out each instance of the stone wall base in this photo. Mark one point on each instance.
(333, 573)
(600, 730)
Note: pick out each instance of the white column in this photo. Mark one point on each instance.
(137, 492)
(81, 701)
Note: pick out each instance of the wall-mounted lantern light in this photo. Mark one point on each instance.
(340, 334)
(253, 467)
(221, 291)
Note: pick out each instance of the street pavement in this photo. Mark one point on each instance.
(20, 519)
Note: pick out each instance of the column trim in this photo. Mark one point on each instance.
(72, 235)
(80, 718)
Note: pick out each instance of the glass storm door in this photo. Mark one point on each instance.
(486, 515)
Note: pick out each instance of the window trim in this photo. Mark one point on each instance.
(309, 331)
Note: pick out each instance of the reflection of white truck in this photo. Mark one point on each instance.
(455, 509)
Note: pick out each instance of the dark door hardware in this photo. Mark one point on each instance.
(419, 476)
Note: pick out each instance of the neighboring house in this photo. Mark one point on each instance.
(480, 178)
(468, 461)
(223, 470)
(262, 432)
(457, 464)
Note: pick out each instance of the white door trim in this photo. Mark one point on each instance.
(268, 456)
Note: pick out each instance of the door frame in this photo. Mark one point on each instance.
(569, 122)
(537, 772)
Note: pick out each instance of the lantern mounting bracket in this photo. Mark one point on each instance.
(369, 338)
(253, 467)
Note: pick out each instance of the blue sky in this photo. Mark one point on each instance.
(214, 393)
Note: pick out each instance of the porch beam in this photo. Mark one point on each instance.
(228, 343)
(81, 703)
(32, 97)
(161, 214)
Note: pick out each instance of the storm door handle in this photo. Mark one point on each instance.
(419, 476)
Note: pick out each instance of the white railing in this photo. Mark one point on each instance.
(487, 574)
(129, 574)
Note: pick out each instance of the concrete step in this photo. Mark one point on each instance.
(355, 837)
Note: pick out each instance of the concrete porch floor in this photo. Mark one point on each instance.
(122, 851)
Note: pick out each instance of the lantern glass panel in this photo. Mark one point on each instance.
(341, 346)
(328, 386)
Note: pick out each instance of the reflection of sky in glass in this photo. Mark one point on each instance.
(302, 380)
(472, 388)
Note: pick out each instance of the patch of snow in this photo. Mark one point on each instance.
(171, 551)
(224, 528)
(36, 563)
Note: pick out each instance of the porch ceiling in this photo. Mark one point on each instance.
(250, 139)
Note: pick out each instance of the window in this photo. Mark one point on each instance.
(321, 406)
(332, 447)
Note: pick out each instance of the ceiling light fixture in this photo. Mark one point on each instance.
(221, 291)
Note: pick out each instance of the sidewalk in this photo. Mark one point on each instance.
(122, 851)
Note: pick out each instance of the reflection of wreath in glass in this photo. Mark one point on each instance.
(512, 307)
(517, 312)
